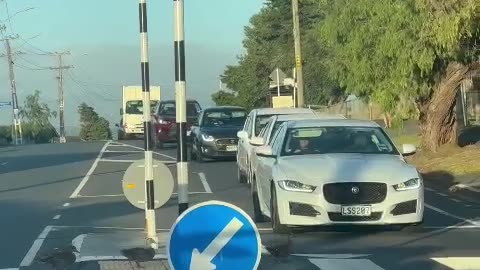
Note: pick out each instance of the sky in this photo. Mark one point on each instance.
(103, 40)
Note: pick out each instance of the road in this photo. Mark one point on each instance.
(49, 194)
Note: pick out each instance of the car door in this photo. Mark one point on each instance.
(195, 129)
(243, 144)
(264, 169)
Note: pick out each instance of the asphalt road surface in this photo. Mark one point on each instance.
(49, 194)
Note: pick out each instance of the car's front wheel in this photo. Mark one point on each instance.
(240, 175)
(277, 226)
(257, 212)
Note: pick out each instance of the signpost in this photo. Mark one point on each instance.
(278, 76)
(214, 235)
(133, 184)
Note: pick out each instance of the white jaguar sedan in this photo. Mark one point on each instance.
(327, 172)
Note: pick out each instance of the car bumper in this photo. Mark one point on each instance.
(134, 131)
(165, 136)
(310, 209)
(212, 151)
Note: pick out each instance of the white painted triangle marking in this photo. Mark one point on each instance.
(460, 263)
(345, 264)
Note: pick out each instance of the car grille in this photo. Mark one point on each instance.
(301, 209)
(222, 142)
(355, 192)
(403, 208)
(334, 216)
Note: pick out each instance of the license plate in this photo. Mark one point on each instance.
(231, 148)
(357, 210)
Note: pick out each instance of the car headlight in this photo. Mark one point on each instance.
(207, 138)
(413, 183)
(290, 185)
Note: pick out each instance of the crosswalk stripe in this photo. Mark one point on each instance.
(460, 263)
(345, 264)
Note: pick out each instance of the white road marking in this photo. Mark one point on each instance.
(3, 163)
(125, 228)
(342, 264)
(90, 172)
(122, 151)
(119, 160)
(205, 184)
(460, 263)
(160, 154)
(332, 256)
(453, 227)
(450, 215)
(66, 204)
(465, 186)
(455, 200)
(429, 189)
(32, 252)
(442, 194)
(9, 269)
(123, 195)
(57, 217)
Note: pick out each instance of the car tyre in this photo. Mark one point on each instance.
(277, 227)
(240, 176)
(257, 212)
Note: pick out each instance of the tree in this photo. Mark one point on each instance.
(36, 116)
(93, 127)
(389, 50)
(269, 44)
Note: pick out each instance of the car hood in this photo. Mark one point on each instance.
(221, 132)
(317, 169)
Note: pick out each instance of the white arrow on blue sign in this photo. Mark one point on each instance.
(214, 235)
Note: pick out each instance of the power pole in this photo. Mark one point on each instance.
(17, 123)
(61, 100)
(151, 229)
(298, 53)
(181, 104)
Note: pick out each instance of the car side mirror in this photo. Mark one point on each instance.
(242, 134)
(257, 141)
(264, 151)
(408, 150)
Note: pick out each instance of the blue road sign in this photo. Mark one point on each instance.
(214, 235)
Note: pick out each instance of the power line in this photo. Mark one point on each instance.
(32, 63)
(8, 15)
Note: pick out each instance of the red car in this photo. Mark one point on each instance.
(164, 118)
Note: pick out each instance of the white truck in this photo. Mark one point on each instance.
(131, 123)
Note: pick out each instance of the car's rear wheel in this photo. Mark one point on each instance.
(257, 212)
(277, 226)
(241, 176)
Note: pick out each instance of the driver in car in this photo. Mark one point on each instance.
(301, 146)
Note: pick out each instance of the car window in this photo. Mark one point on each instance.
(275, 128)
(276, 141)
(169, 109)
(234, 118)
(260, 122)
(333, 140)
(265, 130)
(136, 106)
(248, 126)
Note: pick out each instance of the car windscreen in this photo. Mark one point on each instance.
(260, 122)
(234, 118)
(332, 140)
(169, 109)
(136, 106)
